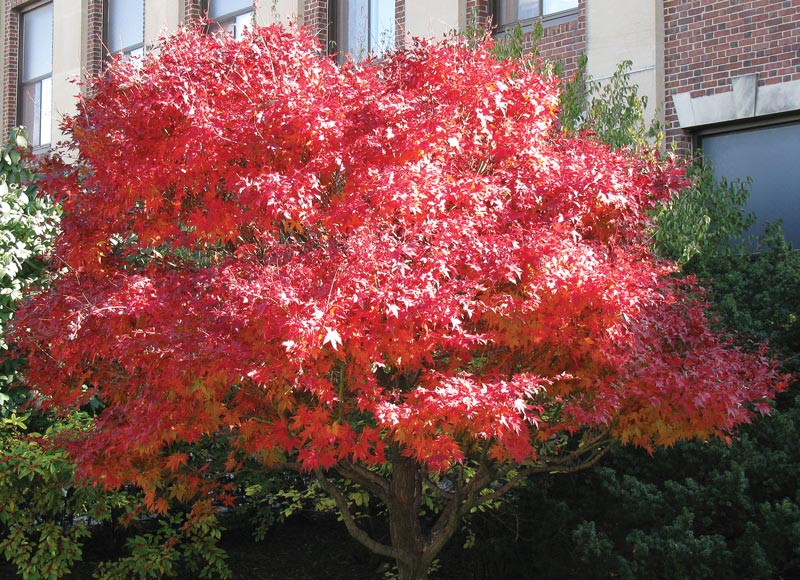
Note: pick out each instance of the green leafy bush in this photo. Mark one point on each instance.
(702, 509)
(46, 515)
(28, 224)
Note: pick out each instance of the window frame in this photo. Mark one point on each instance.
(549, 19)
(127, 52)
(740, 127)
(219, 24)
(42, 113)
(338, 22)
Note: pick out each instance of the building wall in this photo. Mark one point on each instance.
(10, 70)
(315, 17)
(67, 50)
(2, 73)
(161, 17)
(565, 42)
(432, 19)
(729, 61)
(79, 50)
(562, 41)
(633, 31)
(699, 62)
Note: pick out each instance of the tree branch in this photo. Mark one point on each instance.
(350, 523)
(563, 467)
(500, 491)
(436, 488)
(371, 481)
(457, 506)
(286, 466)
(596, 448)
(446, 525)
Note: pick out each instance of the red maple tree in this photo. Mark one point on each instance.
(399, 272)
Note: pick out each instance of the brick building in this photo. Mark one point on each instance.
(722, 75)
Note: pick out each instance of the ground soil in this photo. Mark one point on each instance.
(307, 547)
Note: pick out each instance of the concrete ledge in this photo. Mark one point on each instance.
(745, 100)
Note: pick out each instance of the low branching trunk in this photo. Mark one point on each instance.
(416, 540)
(405, 528)
(414, 545)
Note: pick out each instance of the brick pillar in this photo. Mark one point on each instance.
(478, 12)
(400, 23)
(315, 18)
(95, 47)
(193, 11)
(11, 51)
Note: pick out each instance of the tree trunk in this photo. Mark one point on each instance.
(413, 570)
(405, 528)
(413, 544)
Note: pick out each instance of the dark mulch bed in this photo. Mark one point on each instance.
(304, 548)
(307, 547)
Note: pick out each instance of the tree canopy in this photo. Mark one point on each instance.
(389, 270)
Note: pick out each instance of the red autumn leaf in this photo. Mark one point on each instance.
(176, 460)
(484, 282)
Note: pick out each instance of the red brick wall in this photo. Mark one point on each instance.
(95, 50)
(315, 18)
(193, 11)
(706, 43)
(478, 12)
(563, 42)
(11, 65)
(400, 22)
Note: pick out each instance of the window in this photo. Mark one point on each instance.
(124, 28)
(232, 16)
(505, 12)
(767, 155)
(36, 78)
(364, 27)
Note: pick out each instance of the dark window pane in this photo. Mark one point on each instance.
(527, 9)
(510, 11)
(770, 157)
(357, 28)
(31, 107)
(235, 25)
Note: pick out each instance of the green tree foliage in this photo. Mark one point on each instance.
(40, 531)
(612, 111)
(46, 516)
(757, 294)
(707, 220)
(702, 509)
(698, 510)
(28, 223)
